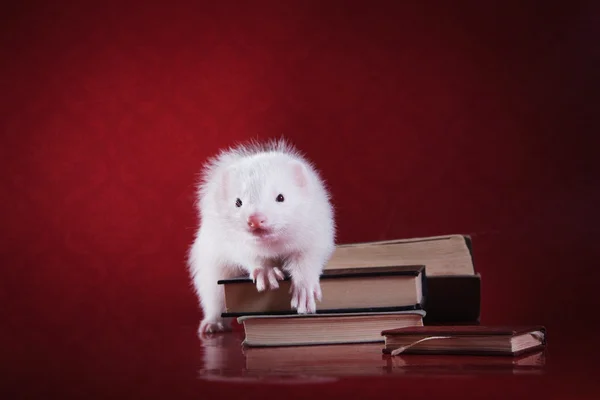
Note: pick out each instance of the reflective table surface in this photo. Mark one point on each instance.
(172, 362)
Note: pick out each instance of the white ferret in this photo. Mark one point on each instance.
(262, 206)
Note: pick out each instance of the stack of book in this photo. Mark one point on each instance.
(454, 287)
(367, 288)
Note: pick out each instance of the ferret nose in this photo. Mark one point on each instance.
(257, 220)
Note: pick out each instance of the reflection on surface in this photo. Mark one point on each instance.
(225, 358)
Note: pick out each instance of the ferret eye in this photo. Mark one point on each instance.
(238, 203)
(279, 198)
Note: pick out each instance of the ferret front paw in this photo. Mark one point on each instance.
(208, 326)
(304, 296)
(266, 277)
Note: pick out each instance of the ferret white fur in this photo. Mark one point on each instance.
(262, 206)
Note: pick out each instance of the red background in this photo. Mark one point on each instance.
(425, 119)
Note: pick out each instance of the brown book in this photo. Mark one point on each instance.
(315, 329)
(442, 255)
(453, 285)
(351, 290)
(468, 340)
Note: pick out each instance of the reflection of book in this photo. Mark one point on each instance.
(367, 360)
(341, 359)
(465, 364)
(388, 288)
(312, 329)
(453, 285)
(472, 340)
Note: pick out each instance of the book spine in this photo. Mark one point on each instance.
(469, 244)
(424, 280)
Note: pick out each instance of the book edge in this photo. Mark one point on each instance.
(443, 330)
(364, 272)
(406, 240)
(242, 318)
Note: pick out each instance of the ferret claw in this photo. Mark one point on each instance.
(304, 297)
(261, 276)
(208, 327)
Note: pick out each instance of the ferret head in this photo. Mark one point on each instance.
(266, 196)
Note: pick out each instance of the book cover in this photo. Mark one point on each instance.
(348, 273)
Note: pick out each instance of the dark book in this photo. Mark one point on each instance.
(453, 299)
(464, 340)
(349, 290)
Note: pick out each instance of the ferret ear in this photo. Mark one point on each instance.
(300, 174)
